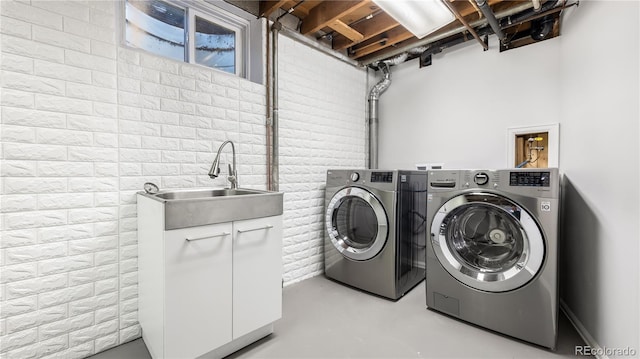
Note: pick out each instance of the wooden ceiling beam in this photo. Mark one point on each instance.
(302, 10)
(368, 28)
(346, 31)
(328, 12)
(380, 42)
(269, 6)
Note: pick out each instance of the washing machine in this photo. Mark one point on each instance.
(375, 229)
(493, 250)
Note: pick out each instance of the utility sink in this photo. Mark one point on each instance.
(206, 193)
(202, 206)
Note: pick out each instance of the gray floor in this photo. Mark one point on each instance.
(324, 319)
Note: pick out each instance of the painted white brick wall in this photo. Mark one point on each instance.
(85, 122)
(322, 126)
(60, 179)
(170, 127)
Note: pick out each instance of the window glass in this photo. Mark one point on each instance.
(485, 237)
(356, 222)
(215, 46)
(157, 27)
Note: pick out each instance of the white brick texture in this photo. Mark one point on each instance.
(85, 122)
(322, 126)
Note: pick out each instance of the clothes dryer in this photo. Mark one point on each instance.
(493, 249)
(375, 229)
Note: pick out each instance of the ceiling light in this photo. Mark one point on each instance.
(420, 17)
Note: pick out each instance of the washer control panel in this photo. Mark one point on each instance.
(539, 183)
(481, 179)
(530, 179)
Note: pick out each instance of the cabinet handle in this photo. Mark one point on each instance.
(205, 237)
(254, 229)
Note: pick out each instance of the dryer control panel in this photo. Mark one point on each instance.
(385, 177)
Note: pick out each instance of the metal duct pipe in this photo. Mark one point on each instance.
(374, 96)
(274, 178)
(269, 108)
(491, 18)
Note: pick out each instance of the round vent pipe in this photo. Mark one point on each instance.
(374, 96)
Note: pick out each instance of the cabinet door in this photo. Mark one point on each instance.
(257, 273)
(198, 290)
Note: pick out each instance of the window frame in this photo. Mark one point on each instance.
(226, 20)
(209, 12)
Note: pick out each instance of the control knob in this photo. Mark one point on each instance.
(355, 176)
(481, 178)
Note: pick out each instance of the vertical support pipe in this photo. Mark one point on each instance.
(374, 96)
(275, 184)
(269, 108)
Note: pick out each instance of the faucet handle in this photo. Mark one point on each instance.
(230, 170)
(232, 178)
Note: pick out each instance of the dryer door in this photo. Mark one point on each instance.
(356, 223)
(487, 242)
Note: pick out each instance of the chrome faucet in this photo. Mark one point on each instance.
(215, 166)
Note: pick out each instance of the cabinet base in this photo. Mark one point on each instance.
(239, 343)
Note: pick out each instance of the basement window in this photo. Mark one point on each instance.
(197, 33)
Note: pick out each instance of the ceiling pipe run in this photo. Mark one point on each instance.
(536, 5)
(491, 18)
(466, 24)
(432, 38)
(529, 14)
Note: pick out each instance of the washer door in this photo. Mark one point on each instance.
(487, 242)
(356, 223)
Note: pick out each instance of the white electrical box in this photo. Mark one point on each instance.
(430, 166)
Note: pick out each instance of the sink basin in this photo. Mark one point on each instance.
(208, 193)
(202, 206)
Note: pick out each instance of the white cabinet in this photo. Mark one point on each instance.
(198, 292)
(208, 290)
(257, 275)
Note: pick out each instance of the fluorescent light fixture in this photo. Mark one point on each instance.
(420, 17)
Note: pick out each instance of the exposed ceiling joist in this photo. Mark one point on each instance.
(368, 34)
(465, 23)
(391, 37)
(325, 13)
(346, 31)
(368, 29)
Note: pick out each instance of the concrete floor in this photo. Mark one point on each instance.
(324, 319)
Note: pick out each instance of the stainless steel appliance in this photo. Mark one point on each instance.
(375, 229)
(493, 249)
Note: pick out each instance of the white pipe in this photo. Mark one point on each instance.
(536, 5)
